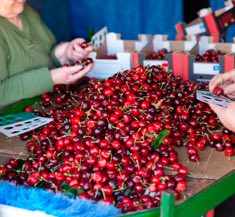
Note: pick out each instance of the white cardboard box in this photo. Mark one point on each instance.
(174, 58)
(106, 44)
(160, 42)
(202, 71)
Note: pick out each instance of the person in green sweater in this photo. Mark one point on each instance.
(30, 61)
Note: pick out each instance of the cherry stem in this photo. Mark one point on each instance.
(104, 196)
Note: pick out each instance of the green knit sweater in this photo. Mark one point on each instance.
(25, 58)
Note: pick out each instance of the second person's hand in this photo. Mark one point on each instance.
(226, 115)
(226, 81)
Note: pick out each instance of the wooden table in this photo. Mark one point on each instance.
(202, 178)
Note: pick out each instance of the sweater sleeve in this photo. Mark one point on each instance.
(23, 85)
(53, 57)
(53, 41)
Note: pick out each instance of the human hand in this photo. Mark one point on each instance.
(226, 115)
(70, 74)
(226, 81)
(75, 50)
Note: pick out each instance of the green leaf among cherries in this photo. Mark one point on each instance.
(72, 192)
(161, 136)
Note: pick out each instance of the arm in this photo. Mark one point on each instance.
(35, 82)
(25, 85)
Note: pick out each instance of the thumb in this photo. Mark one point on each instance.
(229, 89)
(217, 109)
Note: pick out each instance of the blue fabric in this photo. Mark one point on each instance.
(128, 17)
(218, 4)
(55, 15)
(54, 204)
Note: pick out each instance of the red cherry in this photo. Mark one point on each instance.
(3, 170)
(229, 151)
(181, 186)
(200, 146)
(28, 109)
(97, 177)
(66, 65)
(84, 45)
(33, 178)
(218, 91)
(162, 186)
(131, 97)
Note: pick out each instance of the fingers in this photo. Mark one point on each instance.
(89, 49)
(226, 115)
(77, 56)
(231, 96)
(217, 80)
(77, 52)
(231, 107)
(72, 69)
(221, 79)
(69, 75)
(79, 74)
(229, 89)
(213, 82)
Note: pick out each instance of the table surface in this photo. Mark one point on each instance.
(213, 164)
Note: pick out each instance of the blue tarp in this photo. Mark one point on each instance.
(128, 17)
(73, 18)
(59, 205)
(55, 14)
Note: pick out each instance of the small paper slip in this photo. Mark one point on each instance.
(16, 124)
(208, 97)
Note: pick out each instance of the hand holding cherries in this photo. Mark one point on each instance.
(83, 62)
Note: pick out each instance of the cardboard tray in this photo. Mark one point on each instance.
(126, 51)
(176, 50)
(201, 71)
(209, 23)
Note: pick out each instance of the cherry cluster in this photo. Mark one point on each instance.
(106, 138)
(84, 62)
(157, 55)
(210, 56)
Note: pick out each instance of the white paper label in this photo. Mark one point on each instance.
(206, 68)
(195, 29)
(155, 62)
